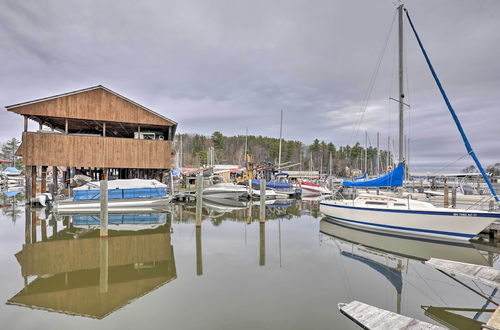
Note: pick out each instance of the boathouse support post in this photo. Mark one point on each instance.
(199, 198)
(43, 186)
(54, 178)
(27, 174)
(446, 196)
(104, 208)
(262, 200)
(33, 181)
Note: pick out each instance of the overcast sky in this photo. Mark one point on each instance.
(227, 65)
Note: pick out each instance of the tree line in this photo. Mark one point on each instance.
(193, 151)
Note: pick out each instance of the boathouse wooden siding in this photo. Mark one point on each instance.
(39, 149)
(99, 104)
(63, 256)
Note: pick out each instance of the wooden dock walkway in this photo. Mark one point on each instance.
(373, 318)
(484, 274)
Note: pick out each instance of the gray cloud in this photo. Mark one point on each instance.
(227, 65)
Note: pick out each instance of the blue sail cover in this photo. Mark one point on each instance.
(360, 177)
(391, 179)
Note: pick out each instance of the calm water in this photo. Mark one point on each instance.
(159, 271)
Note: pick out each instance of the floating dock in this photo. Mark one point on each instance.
(484, 274)
(373, 318)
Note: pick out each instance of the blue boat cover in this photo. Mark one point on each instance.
(391, 179)
(117, 219)
(360, 177)
(274, 185)
(11, 170)
(11, 193)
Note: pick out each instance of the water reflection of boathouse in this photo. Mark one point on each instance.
(93, 276)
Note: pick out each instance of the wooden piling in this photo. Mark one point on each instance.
(454, 197)
(446, 197)
(262, 200)
(199, 199)
(104, 208)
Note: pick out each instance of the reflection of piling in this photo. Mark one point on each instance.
(446, 197)
(262, 249)
(103, 267)
(199, 199)
(33, 226)
(104, 207)
(262, 200)
(43, 224)
(27, 232)
(199, 257)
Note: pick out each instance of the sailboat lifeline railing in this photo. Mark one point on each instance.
(453, 114)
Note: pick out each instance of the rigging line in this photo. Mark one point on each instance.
(453, 114)
(448, 165)
(372, 81)
(427, 284)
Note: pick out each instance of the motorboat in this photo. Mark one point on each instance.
(122, 194)
(225, 190)
(310, 188)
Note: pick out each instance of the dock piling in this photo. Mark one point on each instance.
(454, 197)
(262, 200)
(199, 199)
(104, 208)
(446, 196)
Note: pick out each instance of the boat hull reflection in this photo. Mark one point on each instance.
(408, 247)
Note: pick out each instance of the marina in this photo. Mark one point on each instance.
(282, 197)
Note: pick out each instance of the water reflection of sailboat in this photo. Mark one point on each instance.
(409, 247)
(394, 249)
(94, 276)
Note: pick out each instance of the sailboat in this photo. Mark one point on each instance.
(409, 216)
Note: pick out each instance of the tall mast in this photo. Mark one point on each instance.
(281, 130)
(366, 151)
(401, 92)
(378, 154)
(246, 145)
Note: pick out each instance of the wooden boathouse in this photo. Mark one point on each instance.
(96, 132)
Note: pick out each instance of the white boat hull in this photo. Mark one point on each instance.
(442, 223)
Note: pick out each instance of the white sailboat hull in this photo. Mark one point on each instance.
(438, 222)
